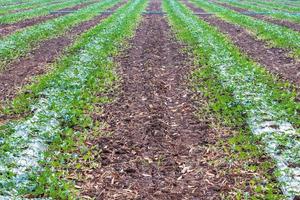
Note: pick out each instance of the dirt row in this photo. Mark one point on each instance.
(26, 9)
(7, 29)
(37, 62)
(157, 149)
(276, 60)
(288, 24)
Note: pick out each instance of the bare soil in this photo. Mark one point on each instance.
(275, 60)
(26, 9)
(288, 24)
(7, 29)
(157, 147)
(21, 71)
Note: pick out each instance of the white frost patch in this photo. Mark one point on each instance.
(270, 131)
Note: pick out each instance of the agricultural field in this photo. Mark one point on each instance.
(150, 99)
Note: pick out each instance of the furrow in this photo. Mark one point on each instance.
(21, 71)
(21, 42)
(157, 145)
(284, 6)
(67, 90)
(7, 29)
(40, 11)
(270, 116)
(276, 60)
(23, 7)
(275, 35)
(282, 22)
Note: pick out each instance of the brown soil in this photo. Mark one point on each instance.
(156, 150)
(285, 23)
(276, 60)
(7, 29)
(26, 9)
(19, 72)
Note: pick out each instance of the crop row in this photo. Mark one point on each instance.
(277, 35)
(271, 5)
(58, 102)
(43, 10)
(273, 13)
(238, 85)
(29, 5)
(288, 3)
(16, 7)
(22, 41)
(11, 2)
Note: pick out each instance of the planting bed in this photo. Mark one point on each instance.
(22, 7)
(280, 18)
(19, 43)
(149, 99)
(37, 62)
(7, 29)
(157, 143)
(277, 60)
(276, 35)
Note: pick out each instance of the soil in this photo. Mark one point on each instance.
(157, 147)
(20, 72)
(288, 24)
(26, 9)
(7, 29)
(275, 60)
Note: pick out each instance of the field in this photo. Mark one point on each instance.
(150, 99)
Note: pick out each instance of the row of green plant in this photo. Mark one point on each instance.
(11, 2)
(244, 91)
(21, 42)
(237, 148)
(281, 15)
(278, 5)
(35, 152)
(291, 3)
(29, 5)
(40, 11)
(276, 35)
